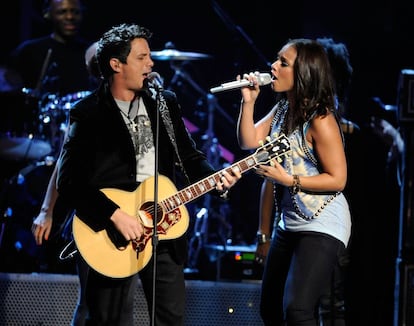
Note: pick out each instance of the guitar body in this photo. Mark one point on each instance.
(99, 251)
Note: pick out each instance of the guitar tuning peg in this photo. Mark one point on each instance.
(261, 142)
(272, 163)
(279, 160)
(268, 138)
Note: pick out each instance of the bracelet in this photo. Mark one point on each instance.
(296, 186)
(262, 238)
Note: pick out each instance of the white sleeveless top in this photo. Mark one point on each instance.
(310, 211)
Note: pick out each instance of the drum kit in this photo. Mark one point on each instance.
(32, 125)
(32, 129)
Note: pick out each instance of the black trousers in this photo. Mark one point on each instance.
(169, 298)
(298, 269)
(110, 302)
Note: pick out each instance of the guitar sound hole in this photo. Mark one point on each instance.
(149, 208)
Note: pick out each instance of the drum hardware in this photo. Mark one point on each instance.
(211, 99)
(23, 148)
(53, 106)
(30, 93)
(7, 214)
(54, 114)
(209, 216)
(21, 176)
(21, 199)
(69, 100)
(197, 240)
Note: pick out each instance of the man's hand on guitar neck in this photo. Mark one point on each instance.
(228, 180)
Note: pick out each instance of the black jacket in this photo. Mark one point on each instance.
(99, 153)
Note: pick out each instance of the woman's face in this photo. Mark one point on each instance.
(282, 69)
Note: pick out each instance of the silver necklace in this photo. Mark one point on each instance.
(133, 105)
(132, 125)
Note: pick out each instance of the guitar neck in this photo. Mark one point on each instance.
(205, 185)
(261, 155)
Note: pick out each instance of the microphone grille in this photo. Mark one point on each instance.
(154, 75)
(264, 79)
(156, 80)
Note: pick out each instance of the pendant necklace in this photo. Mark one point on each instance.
(132, 125)
(132, 113)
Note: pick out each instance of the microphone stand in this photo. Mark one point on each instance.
(45, 65)
(155, 218)
(178, 72)
(36, 92)
(236, 29)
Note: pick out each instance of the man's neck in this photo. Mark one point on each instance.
(61, 39)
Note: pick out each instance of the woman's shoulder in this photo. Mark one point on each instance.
(324, 120)
(326, 126)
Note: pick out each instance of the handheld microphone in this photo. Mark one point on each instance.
(262, 79)
(156, 81)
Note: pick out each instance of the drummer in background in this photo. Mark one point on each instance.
(52, 64)
(50, 67)
(55, 63)
(53, 212)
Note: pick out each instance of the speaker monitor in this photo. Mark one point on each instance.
(49, 300)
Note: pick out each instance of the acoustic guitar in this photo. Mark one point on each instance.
(172, 217)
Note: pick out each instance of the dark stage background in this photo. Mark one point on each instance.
(242, 37)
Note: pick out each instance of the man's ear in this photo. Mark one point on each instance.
(115, 63)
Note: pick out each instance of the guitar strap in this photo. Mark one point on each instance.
(166, 118)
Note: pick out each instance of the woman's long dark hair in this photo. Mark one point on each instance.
(313, 90)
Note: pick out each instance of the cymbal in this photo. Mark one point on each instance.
(23, 148)
(175, 55)
(9, 80)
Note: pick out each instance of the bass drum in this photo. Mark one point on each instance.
(22, 199)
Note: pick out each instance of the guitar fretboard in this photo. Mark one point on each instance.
(273, 149)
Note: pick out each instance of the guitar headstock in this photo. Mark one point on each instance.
(274, 147)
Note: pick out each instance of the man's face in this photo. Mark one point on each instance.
(66, 17)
